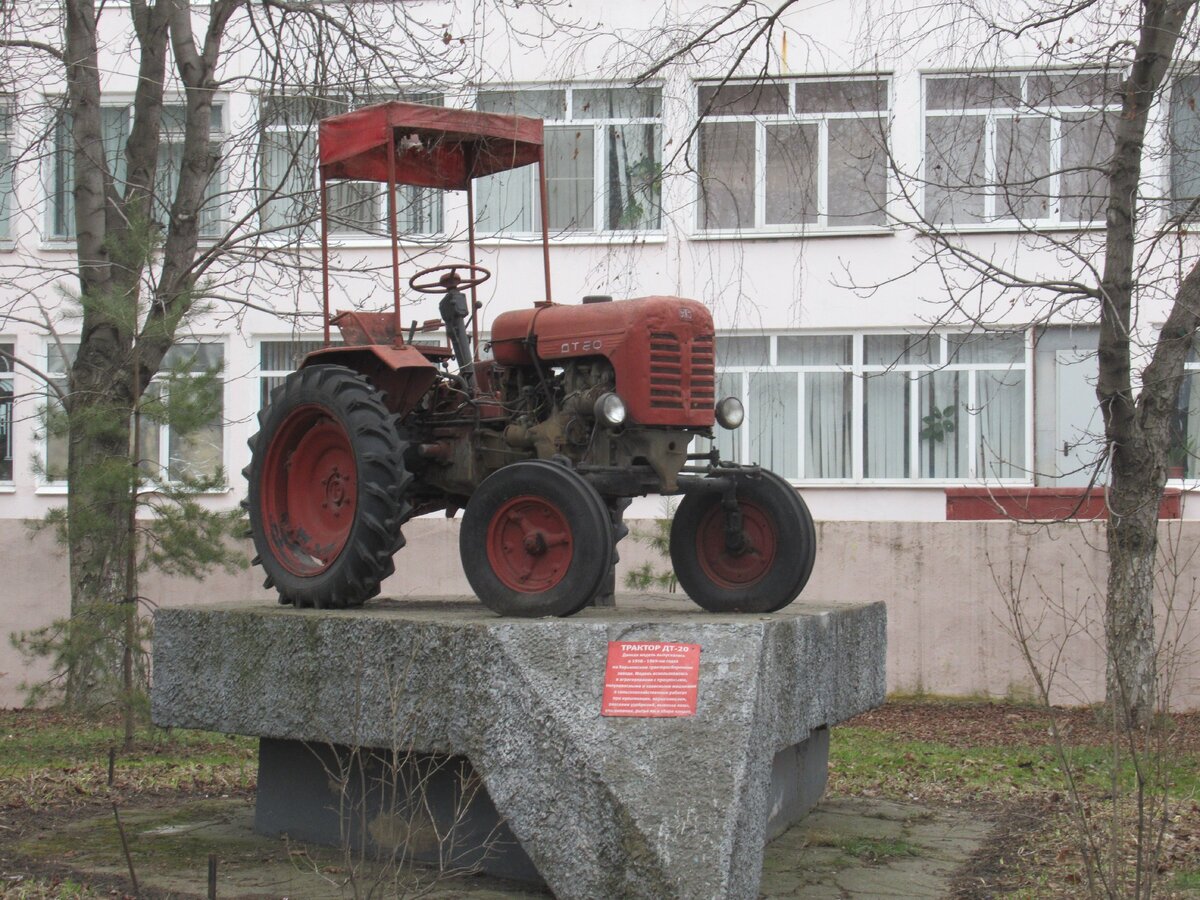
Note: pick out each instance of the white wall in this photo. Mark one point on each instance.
(756, 284)
(946, 585)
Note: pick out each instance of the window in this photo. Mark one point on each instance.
(287, 177)
(1183, 458)
(115, 125)
(878, 406)
(277, 360)
(791, 155)
(180, 441)
(6, 411)
(6, 170)
(1018, 148)
(1185, 146)
(603, 162)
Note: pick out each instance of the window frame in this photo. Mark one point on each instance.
(8, 382)
(311, 236)
(857, 368)
(1177, 207)
(761, 121)
(599, 195)
(261, 375)
(218, 138)
(991, 189)
(1191, 371)
(8, 179)
(70, 343)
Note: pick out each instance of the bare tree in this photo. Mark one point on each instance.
(163, 227)
(1050, 120)
(1121, 63)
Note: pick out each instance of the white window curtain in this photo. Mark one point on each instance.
(6, 414)
(727, 175)
(781, 154)
(774, 421)
(288, 183)
(6, 171)
(633, 188)
(193, 449)
(886, 425)
(603, 151)
(1187, 450)
(942, 429)
(937, 407)
(1001, 423)
(827, 402)
(792, 167)
(1185, 145)
(570, 175)
(114, 125)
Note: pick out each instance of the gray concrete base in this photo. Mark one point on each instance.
(436, 809)
(602, 806)
(397, 805)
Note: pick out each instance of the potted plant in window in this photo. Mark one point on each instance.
(935, 428)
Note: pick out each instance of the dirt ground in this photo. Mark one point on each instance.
(895, 833)
(845, 848)
(1006, 725)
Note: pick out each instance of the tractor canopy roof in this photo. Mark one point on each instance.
(435, 146)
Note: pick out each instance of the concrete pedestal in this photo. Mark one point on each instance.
(601, 807)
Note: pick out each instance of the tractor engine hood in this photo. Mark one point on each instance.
(661, 349)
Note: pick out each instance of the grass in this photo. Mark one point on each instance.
(865, 759)
(1187, 881)
(52, 759)
(1001, 759)
(68, 889)
(993, 757)
(865, 849)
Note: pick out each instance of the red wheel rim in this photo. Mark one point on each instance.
(740, 570)
(309, 490)
(529, 544)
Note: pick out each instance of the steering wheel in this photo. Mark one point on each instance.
(450, 281)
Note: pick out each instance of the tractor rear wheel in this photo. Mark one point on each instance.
(536, 540)
(327, 488)
(768, 571)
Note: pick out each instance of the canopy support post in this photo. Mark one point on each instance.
(471, 254)
(545, 218)
(325, 256)
(398, 340)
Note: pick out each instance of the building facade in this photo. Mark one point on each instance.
(794, 198)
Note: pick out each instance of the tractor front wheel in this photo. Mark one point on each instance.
(327, 487)
(758, 569)
(536, 540)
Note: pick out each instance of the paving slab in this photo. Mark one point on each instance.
(170, 845)
(872, 848)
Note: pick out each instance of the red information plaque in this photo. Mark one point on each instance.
(655, 679)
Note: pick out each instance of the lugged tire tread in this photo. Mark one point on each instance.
(366, 560)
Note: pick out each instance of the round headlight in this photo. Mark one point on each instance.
(610, 409)
(730, 413)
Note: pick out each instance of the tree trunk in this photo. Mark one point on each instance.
(98, 517)
(1134, 429)
(1132, 668)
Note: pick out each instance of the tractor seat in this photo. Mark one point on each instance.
(359, 328)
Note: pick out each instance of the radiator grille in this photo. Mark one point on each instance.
(666, 371)
(704, 381)
(681, 377)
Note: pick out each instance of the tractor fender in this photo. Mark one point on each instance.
(402, 373)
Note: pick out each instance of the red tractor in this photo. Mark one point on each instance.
(580, 408)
